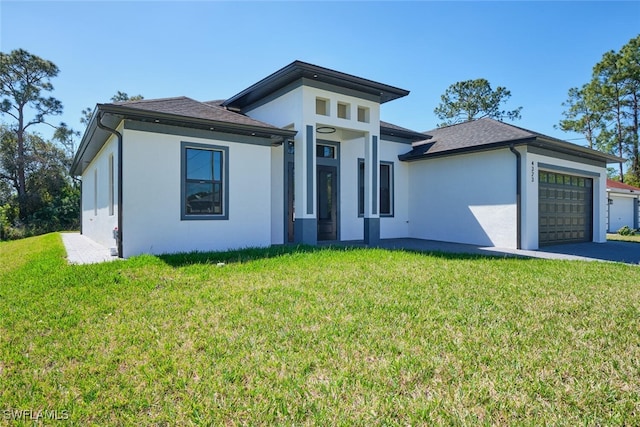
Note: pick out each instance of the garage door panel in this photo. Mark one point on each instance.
(565, 208)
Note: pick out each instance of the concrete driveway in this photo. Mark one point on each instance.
(624, 252)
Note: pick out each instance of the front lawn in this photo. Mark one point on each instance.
(303, 336)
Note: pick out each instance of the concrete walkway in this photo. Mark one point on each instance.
(624, 252)
(83, 250)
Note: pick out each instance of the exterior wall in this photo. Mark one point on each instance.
(98, 222)
(469, 198)
(277, 195)
(396, 226)
(531, 166)
(351, 225)
(622, 211)
(152, 197)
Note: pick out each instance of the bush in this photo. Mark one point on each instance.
(626, 231)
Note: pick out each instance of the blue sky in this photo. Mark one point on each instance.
(213, 49)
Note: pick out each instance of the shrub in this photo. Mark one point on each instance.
(626, 231)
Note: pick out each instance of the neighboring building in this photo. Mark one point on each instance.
(302, 156)
(624, 206)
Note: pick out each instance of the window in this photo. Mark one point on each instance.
(360, 187)
(363, 114)
(95, 192)
(343, 110)
(325, 151)
(111, 187)
(386, 188)
(322, 106)
(204, 182)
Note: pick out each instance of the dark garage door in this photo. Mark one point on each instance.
(565, 208)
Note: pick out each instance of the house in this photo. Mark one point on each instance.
(623, 206)
(302, 156)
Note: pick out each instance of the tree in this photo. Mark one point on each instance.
(473, 99)
(53, 198)
(582, 115)
(606, 110)
(24, 78)
(118, 97)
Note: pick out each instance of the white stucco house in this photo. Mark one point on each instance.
(624, 206)
(302, 156)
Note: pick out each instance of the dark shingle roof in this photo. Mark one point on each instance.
(187, 107)
(475, 133)
(485, 134)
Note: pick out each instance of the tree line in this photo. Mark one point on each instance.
(38, 194)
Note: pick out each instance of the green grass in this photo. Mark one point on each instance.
(635, 238)
(304, 336)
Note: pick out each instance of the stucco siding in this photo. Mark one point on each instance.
(351, 225)
(396, 226)
(152, 197)
(277, 195)
(98, 219)
(468, 198)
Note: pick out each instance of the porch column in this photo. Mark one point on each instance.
(371, 191)
(306, 222)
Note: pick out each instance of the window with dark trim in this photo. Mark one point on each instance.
(95, 192)
(360, 187)
(204, 181)
(386, 188)
(111, 185)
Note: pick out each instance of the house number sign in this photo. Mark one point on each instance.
(532, 172)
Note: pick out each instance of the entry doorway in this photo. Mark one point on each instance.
(327, 192)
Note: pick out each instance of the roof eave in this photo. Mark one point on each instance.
(567, 147)
(412, 136)
(297, 70)
(472, 149)
(221, 126)
(119, 113)
(552, 144)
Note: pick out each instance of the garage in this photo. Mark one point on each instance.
(624, 206)
(565, 208)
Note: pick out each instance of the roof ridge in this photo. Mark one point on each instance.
(143, 101)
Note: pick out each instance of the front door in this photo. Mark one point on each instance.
(327, 180)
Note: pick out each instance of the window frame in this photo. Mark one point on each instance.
(360, 189)
(391, 188)
(224, 175)
(111, 185)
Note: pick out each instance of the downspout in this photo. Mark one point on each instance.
(119, 136)
(518, 196)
